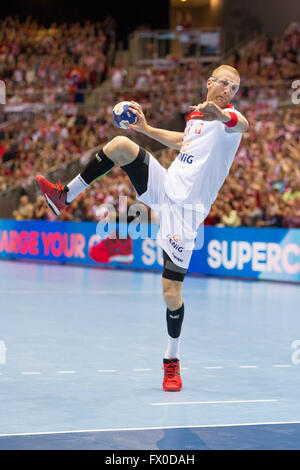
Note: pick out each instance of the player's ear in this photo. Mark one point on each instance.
(209, 83)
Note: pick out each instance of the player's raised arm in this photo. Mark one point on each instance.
(170, 139)
(234, 120)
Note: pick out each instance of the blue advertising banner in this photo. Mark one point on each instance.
(254, 253)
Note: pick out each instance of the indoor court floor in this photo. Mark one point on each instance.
(81, 354)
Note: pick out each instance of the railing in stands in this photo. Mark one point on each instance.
(153, 47)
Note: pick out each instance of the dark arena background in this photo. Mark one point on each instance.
(83, 321)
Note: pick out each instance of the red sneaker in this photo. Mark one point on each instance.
(55, 194)
(112, 249)
(172, 380)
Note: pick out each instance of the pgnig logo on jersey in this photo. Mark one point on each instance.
(176, 238)
(174, 243)
(185, 157)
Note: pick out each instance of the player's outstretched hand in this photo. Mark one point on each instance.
(210, 111)
(141, 124)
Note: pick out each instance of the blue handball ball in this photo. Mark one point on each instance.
(122, 115)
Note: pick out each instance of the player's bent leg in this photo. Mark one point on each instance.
(121, 150)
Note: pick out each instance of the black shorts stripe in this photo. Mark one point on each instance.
(171, 270)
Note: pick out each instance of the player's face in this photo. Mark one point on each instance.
(222, 87)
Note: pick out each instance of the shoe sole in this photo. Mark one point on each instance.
(172, 390)
(52, 205)
(48, 200)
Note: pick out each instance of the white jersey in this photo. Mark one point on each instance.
(204, 161)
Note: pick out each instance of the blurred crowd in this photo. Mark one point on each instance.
(49, 64)
(48, 140)
(262, 188)
(273, 61)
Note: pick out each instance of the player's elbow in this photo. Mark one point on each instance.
(246, 126)
(176, 146)
(179, 144)
(242, 126)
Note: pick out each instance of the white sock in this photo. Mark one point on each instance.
(172, 351)
(75, 187)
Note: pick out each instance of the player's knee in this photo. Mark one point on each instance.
(172, 293)
(121, 150)
(120, 142)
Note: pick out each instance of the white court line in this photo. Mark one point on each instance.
(72, 292)
(110, 292)
(151, 428)
(149, 370)
(213, 367)
(30, 373)
(66, 371)
(248, 367)
(222, 402)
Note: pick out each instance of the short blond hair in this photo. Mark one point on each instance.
(227, 67)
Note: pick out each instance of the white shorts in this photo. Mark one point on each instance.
(178, 224)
